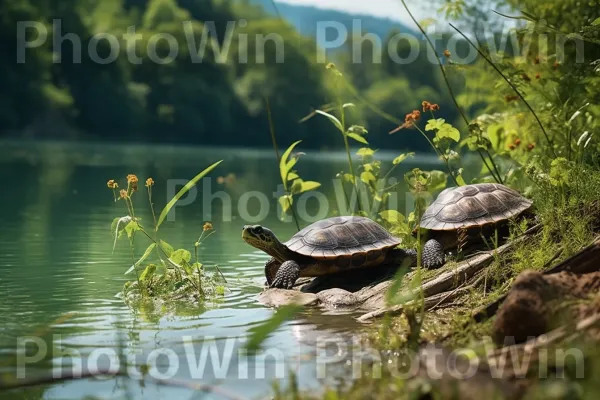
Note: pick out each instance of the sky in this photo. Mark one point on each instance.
(381, 8)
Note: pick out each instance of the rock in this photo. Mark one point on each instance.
(532, 305)
(282, 297)
(338, 298)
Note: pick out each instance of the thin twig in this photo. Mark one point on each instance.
(548, 139)
(497, 178)
(276, 148)
(51, 380)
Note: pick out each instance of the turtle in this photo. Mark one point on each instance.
(475, 209)
(325, 247)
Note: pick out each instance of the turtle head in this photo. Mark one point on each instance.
(260, 237)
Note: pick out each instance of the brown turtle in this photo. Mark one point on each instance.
(473, 208)
(326, 247)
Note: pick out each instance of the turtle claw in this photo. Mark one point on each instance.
(284, 283)
(286, 276)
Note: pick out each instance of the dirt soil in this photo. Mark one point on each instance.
(538, 303)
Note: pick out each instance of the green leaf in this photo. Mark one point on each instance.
(131, 228)
(435, 124)
(148, 272)
(183, 191)
(460, 180)
(448, 131)
(392, 216)
(365, 152)
(368, 177)
(349, 178)
(596, 22)
(402, 157)
(166, 248)
(349, 105)
(117, 228)
(438, 181)
(300, 186)
(262, 332)
(308, 186)
(357, 137)
(141, 260)
(181, 256)
(292, 176)
(285, 165)
(285, 202)
(333, 119)
(359, 130)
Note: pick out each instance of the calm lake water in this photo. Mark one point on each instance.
(58, 277)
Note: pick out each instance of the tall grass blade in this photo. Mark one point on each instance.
(183, 191)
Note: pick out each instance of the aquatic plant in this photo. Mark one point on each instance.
(173, 275)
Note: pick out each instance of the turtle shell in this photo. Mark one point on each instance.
(473, 206)
(342, 237)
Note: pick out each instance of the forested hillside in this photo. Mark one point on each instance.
(129, 96)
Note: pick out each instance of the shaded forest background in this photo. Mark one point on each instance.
(223, 103)
(206, 103)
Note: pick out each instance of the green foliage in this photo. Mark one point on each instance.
(293, 184)
(171, 276)
(183, 191)
(442, 130)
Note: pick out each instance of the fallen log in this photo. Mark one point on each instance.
(445, 283)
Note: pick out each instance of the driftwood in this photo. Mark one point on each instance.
(444, 286)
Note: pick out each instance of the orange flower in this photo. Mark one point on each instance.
(207, 226)
(132, 181)
(447, 53)
(530, 146)
(409, 120)
(413, 117)
(518, 142)
(512, 147)
(112, 184)
(537, 76)
(149, 182)
(427, 106)
(123, 193)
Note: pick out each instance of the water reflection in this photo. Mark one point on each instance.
(58, 278)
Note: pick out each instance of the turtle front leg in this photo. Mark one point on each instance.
(433, 254)
(287, 275)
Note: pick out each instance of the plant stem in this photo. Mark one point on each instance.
(347, 145)
(447, 82)
(278, 156)
(137, 276)
(548, 139)
(154, 218)
(442, 157)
